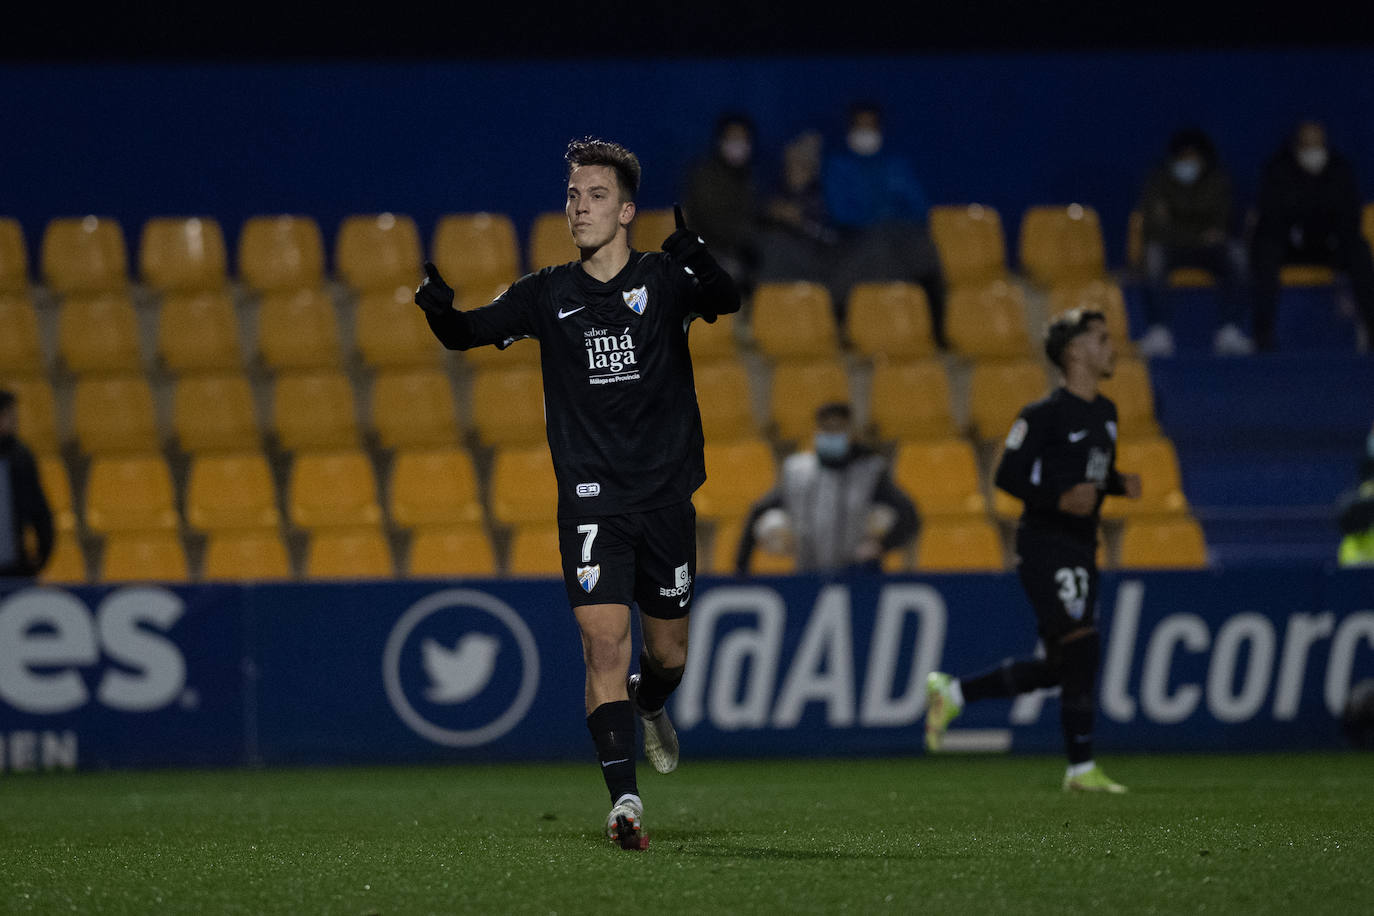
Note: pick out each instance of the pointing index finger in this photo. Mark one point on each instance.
(677, 217)
(433, 272)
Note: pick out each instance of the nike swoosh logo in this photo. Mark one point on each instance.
(1078, 436)
(611, 763)
(562, 314)
(685, 598)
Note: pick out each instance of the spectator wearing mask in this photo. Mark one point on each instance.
(1308, 213)
(881, 211)
(835, 507)
(26, 528)
(721, 200)
(1185, 208)
(797, 241)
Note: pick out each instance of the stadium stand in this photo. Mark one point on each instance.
(650, 228)
(522, 489)
(998, 389)
(14, 257)
(84, 255)
(971, 243)
(349, 553)
(726, 401)
(959, 544)
(550, 242)
(1061, 243)
(889, 319)
(1174, 542)
(391, 333)
(99, 333)
(413, 407)
(246, 555)
(67, 564)
(130, 493)
(378, 252)
(198, 332)
(215, 412)
(451, 550)
(508, 405)
(115, 413)
(988, 322)
(333, 489)
(36, 406)
(280, 252)
(144, 556)
(434, 487)
(231, 491)
(793, 321)
(298, 329)
(737, 473)
(941, 476)
(478, 254)
(314, 410)
(534, 550)
(21, 347)
(910, 400)
(797, 389)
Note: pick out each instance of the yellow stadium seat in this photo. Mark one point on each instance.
(793, 321)
(14, 257)
(36, 411)
(1161, 484)
(214, 413)
(84, 254)
(57, 487)
(1104, 296)
(414, 407)
(508, 406)
(231, 491)
(434, 487)
(550, 241)
(1306, 275)
(199, 332)
(378, 251)
(523, 488)
(738, 473)
(450, 550)
(184, 255)
(298, 329)
(534, 551)
(959, 544)
(130, 493)
(998, 389)
(1130, 389)
(348, 553)
(1135, 256)
(281, 253)
(970, 242)
(651, 228)
(889, 319)
(115, 413)
(245, 555)
(99, 333)
(314, 409)
(988, 321)
(144, 556)
(67, 563)
(712, 341)
(798, 389)
(1061, 243)
(941, 476)
(1367, 222)
(725, 547)
(478, 254)
(21, 345)
(332, 489)
(390, 331)
(910, 400)
(1168, 542)
(726, 401)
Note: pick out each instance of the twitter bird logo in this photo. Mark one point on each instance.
(460, 673)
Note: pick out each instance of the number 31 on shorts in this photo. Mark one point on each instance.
(1073, 589)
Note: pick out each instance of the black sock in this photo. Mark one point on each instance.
(655, 684)
(1013, 677)
(1076, 699)
(613, 730)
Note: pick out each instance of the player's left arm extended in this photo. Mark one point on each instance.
(501, 323)
(716, 293)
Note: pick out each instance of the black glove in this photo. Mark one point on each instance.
(434, 295)
(686, 247)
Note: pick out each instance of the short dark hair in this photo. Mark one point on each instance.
(839, 410)
(593, 151)
(1193, 138)
(1064, 328)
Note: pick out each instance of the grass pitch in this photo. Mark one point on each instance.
(1244, 834)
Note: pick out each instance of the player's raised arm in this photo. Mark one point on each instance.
(716, 291)
(459, 330)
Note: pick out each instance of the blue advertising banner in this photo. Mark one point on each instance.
(1256, 659)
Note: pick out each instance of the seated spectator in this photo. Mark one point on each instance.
(1186, 212)
(1308, 213)
(1355, 515)
(880, 210)
(835, 507)
(797, 241)
(720, 199)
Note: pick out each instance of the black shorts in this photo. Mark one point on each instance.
(1059, 575)
(649, 558)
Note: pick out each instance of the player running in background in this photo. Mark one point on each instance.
(625, 434)
(1059, 460)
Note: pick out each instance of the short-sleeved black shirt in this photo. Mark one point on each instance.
(620, 402)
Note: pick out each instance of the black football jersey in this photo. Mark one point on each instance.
(620, 403)
(1055, 443)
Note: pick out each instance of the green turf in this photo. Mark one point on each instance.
(1243, 834)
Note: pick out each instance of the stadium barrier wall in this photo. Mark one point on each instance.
(1249, 659)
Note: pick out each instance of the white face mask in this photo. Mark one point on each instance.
(1186, 171)
(1312, 159)
(865, 141)
(736, 152)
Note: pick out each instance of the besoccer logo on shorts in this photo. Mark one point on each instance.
(461, 668)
